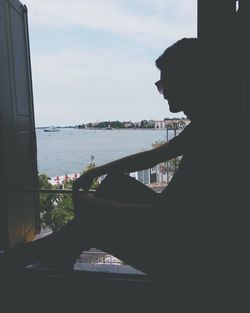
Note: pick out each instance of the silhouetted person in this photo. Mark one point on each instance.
(167, 235)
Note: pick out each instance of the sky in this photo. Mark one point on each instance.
(94, 60)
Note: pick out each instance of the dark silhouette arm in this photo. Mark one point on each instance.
(138, 161)
(86, 204)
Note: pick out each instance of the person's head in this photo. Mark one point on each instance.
(181, 76)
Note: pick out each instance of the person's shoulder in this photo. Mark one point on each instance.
(188, 128)
(184, 138)
(187, 131)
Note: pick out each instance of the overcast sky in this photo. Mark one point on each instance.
(94, 60)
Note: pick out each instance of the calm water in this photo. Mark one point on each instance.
(69, 150)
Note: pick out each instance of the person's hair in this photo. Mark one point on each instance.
(185, 55)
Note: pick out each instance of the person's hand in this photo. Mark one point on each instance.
(85, 181)
(81, 201)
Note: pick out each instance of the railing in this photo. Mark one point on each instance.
(56, 191)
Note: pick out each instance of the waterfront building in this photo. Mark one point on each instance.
(171, 123)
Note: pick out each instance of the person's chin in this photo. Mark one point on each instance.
(174, 109)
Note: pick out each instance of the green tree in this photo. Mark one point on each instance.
(81, 126)
(47, 201)
(173, 164)
(104, 124)
(62, 214)
(116, 124)
(95, 183)
(89, 125)
(57, 209)
(144, 124)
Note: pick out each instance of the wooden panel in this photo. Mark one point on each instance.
(18, 145)
(244, 32)
(226, 36)
(26, 177)
(217, 31)
(214, 18)
(19, 61)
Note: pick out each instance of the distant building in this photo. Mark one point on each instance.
(147, 176)
(151, 123)
(160, 124)
(178, 123)
(137, 124)
(128, 124)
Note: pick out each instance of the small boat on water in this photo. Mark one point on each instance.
(51, 129)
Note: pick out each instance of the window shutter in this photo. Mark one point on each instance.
(19, 208)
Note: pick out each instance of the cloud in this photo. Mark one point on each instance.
(77, 87)
(164, 20)
(78, 83)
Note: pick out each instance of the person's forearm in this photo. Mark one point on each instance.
(132, 163)
(95, 206)
(136, 162)
(147, 159)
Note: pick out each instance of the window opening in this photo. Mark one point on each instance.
(67, 147)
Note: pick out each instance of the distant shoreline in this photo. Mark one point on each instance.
(174, 123)
(135, 128)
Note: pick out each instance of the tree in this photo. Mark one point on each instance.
(81, 126)
(173, 164)
(116, 124)
(144, 124)
(47, 201)
(89, 125)
(57, 209)
(104, 124)
(95, 183)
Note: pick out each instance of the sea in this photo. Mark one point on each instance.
(70, 150)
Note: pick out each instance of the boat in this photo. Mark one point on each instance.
(51, 129)
(109, 128)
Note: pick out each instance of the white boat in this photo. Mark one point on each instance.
(51, 129)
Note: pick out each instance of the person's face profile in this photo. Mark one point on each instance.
(159, 86)
(168, 86)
